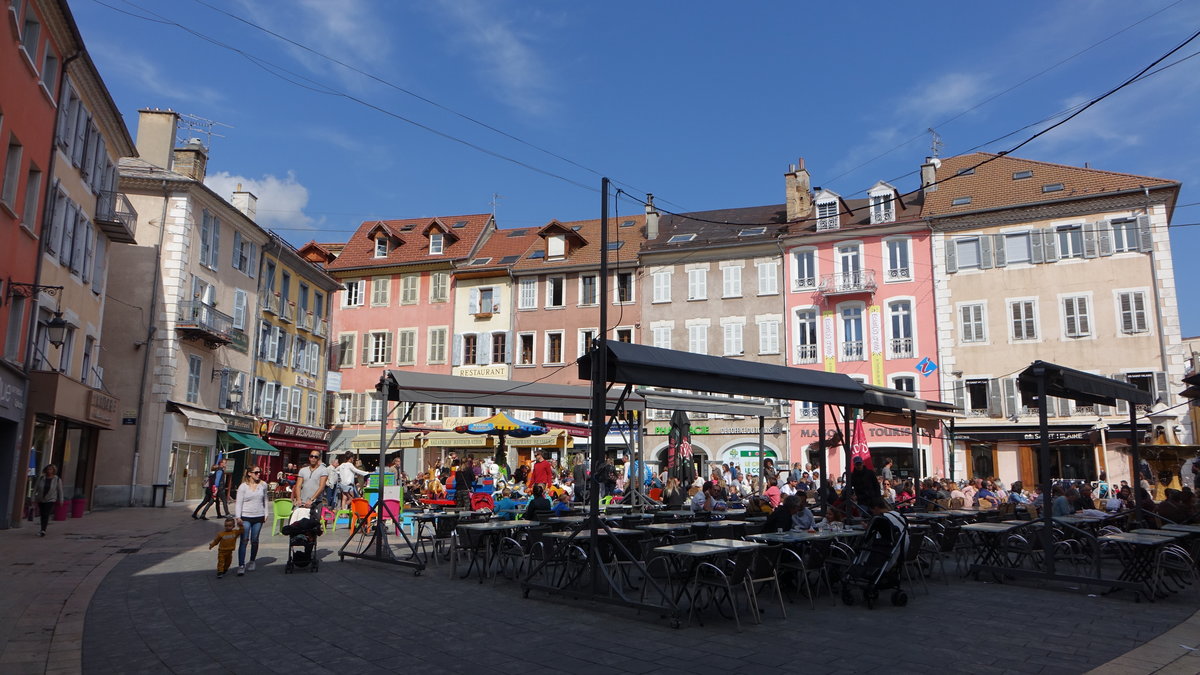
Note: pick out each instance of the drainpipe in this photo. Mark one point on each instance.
(151, 329)
(1158, 317)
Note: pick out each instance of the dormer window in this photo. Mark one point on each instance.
(882, 209)
(381, 247)
(827, 215)
(436, 243)
(556, 246)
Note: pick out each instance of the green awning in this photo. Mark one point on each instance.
(257, 445)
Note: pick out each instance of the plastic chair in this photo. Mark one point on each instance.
(482, 500)
(360, 509)
(655, 494)
(328, 519)
(391, 510)
(341, 514)
(282, 508)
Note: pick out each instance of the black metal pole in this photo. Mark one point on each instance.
(847, 450)
(952, 448)
(1135, 450)
(1044, 473)
(762, 447)
(916, 450)
(599, 377)
(821, 459)
(383, 444)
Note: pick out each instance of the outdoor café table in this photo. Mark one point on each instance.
(584, 538)
(1192, 529)
(709, 525)
(1173, 534)
(665, 527)
(1138, 555)
(756, 519)
(927, 515)
(731, 543)
(991, 542)
(1077, 520)
(494, 529)
(689, 556)
(677, 513)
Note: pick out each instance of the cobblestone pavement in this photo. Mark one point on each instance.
(153, 604)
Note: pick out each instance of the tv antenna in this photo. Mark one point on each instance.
(935, 142)
(495, 199)
(191, 126)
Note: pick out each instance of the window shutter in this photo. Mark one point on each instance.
(1145, 236)
(273, 344)
(387, 347)
(495, 301)
(101, 262)
(366, 348)
(1104, 243)
(223, 395)
(998, 250)
(1089, 240)
(215, 254)
(1010, 395)
(508, 346)
(960, 396)
(1035, 248)
(239, 308)
(1050, 245)
(985, 252)
(483, 349)
(252, 259)
(237, 249)
(995, 401)
(456, 359)
(314, 361)
(473, 301)
(1065, 406)
(1072, 318)
(951, 256)
(1162, 391)
(1122, 405)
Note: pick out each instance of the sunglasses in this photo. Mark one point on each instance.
(314, 457)
(255, 473)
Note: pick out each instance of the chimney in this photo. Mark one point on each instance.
(929, 174)
(156, 136)
(192, 160)
(799, 192)
(245, 202)
(651, 219)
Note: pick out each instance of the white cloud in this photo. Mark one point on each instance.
(281, 201)
(949, 94)
(121, 62)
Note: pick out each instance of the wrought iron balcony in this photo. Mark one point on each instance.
(200, 321)
(287, 310)
(883, 215)
(899, 274)
(860, 281)
(902, 348)
(304, 320)
(852, 350)
(320, 327)
(116, 216)
(806, 354)
(804, 284)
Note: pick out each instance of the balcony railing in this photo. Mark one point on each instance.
(287, 310)
(116, 216)
(804, 283)
(828, 223)
(270, 302)
(902, 348)
(860, 281)
(304, 320)
(320, 327)
(806, 411)
(882, 216)
(806, 353)
(852, 350)
(899, 274)
(205, 323)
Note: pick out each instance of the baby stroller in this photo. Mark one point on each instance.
(878, 564)
(302, 541)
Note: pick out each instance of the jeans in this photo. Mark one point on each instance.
(45, 510)
(250, 529)
(205, 504)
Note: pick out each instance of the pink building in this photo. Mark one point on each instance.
(860, 302)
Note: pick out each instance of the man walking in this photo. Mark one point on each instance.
(543, 472)
(310, 484)
(222, 489)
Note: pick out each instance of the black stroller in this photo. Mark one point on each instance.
(879, 562)
(302, 541)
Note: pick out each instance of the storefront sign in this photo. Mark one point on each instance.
(239, 341)
(494, 372)
(12, 395)
(238, 423)
(298, 431)
(875, 321)
(306, 381)
(102, 408)
(694, 430)
(373, 443)
(129, 416)
(829, 331)
(333, 381)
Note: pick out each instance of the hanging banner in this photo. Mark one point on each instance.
(829, 332)
(875, 321)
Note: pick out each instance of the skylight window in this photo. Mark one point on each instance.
(960, 201)
(752, 231)
(509, 259)
(969, 171)
(615, 245)
(1019, 175)
(481, 261)
(408, 228)
(517, 233)
(626, 223)
(460, 224)
(537, 255)
(1053, 187)
(576, 228)
(680, 238)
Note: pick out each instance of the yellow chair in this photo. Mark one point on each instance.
(282, 508)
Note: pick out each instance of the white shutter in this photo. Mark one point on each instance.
(1012, 401)
(457, 353)
(1104, 241)
(1089, 240)
(296, 394)
(473, 301)
(1145, 236)
(100, 269)
(239, 309)
(1049, 244)
(273, 345)
(387, 347)
(985, 252)
(483, 349)
(951, 256)
(998, 249)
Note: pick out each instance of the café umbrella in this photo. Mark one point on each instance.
(679, 449)
(501, 425)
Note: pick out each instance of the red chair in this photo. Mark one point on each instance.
(391, 510)
(360, 509)
(656, 494)
(481, 500)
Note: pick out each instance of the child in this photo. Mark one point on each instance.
(228, 539)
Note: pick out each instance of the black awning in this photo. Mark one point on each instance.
(1077, 385)
(488, 393)
(656, 367)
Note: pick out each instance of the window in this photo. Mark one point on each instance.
(661, 336)
(375, 408)
(1070, 241)
(345, 349)
(210, 240)
(437, 345)
(827, 216)
(193, 380)
(526, 348)
(239, 308)
(586, 335)
(30, 33)
(806, 336)
(901, 323)
(977, 398)
(381, 247)
(379, 348)
(1132, 307)
(555, 291)
(768, 278)
(806, 269)
(406, 350)
(960, 201)
(588, 292)
(439, 287)
(1053, 187)
(311, 416)
(849, 258)
(680, 238)
(698, 339)
(852, 334)
(698, 284)
(1024, 319)
(500, 347)
(345, 408)
(966, 252)
(1021, 175)
(624, 287)
(33, 186)
(1076, 320)
(296, 396)
(85, 370)
(971, 323)
(409, 287)
(731, 281)
(12, 174)
(437, 412)
(898, 268)
(267, 400)
(733, 338)
(625, 335)
(905, 383)
(554, 347)
(1018, 248)
(1125, 235)
(487, 301)
(768, 337)
(662, 285)
(436, 243)
(380, 290)
(352, 293)
(16, 323)
(470, 349)
(556, 246)
(882, 209)
(527, 293)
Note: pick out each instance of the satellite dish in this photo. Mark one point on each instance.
(937, 163)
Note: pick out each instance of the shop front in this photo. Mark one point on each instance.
(294, 441)
(12, 458)
(193, 434)
(717, 442)
(365, 444)
(243, 448)
(1077, 453)
(66, 418)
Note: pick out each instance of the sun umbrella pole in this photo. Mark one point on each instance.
(599, 374)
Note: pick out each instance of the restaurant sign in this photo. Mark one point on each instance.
(102, 408)
(238, 423)
(298, 431)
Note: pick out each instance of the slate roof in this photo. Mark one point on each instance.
(409, 243)
(626, 239)
(722, 226)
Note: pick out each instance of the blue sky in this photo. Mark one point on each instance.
(702, 103)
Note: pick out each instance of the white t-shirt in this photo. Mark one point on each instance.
(312, 481)
(251, 503)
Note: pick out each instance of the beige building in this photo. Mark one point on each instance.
(1063, 264)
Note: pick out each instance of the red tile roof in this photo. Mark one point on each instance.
(409, 244)
(628, 238)
(502, 244)
(992, 185)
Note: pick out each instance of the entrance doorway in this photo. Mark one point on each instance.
(189, 467)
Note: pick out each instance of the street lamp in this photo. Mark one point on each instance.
(56, 330)
(235, 397)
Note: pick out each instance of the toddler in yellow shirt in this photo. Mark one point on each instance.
(225, 541)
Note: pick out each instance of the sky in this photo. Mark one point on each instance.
(360, 109)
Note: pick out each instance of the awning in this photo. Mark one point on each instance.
(714, 405)
(1079, 386)
(368, 443)
(199, 418)
(553, 439)
(288, 442)
(257, 445)
(501, 394)
(449, 439)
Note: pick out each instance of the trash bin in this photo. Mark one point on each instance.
(78, 506)
(62, 510)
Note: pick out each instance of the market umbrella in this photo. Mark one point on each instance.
(501, 425)
(679, 449)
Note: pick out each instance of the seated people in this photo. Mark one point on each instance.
(802, 518)
(537, 503)
(506, 503)
(705, 500)
(1061, 506)
(563, 504)
(780, 519)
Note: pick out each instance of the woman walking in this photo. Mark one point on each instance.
(251, 510)
(48, 491)
(464, 478)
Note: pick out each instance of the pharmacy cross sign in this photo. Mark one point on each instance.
(926, 367)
